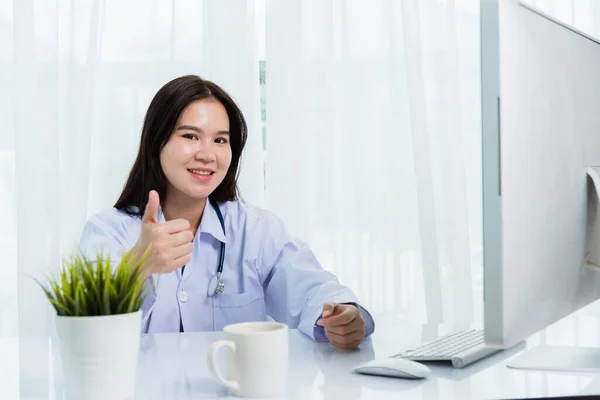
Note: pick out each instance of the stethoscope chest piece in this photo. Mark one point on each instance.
(216, 285)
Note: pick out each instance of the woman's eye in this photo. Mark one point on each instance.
(190, 136)
(221, 140)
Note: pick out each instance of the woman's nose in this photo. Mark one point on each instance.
(206, 154)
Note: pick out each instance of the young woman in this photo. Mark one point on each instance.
(214, 260)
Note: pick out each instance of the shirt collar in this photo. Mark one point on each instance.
(209, 223)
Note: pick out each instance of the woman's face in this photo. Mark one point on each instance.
(196, 158)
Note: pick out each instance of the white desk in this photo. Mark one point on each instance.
(173, 366)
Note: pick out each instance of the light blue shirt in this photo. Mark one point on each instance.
(266, 271)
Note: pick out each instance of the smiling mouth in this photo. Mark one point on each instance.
(201, 173)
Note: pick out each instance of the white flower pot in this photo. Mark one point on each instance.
(99, 355)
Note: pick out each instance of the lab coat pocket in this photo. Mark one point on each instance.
(231, 308)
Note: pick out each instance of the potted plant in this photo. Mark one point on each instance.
(98, 324)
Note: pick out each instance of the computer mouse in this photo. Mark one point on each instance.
(394, 367)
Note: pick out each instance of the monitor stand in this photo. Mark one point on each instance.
(559, 358)
(572, 358)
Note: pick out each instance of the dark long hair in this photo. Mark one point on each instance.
(159, 123)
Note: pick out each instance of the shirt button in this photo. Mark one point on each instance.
(183, 296)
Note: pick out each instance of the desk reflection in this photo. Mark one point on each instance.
(173, 366)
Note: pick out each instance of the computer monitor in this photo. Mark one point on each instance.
(540, 144)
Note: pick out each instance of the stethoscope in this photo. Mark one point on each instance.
(216, 284)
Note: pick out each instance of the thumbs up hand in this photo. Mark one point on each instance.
(171, 242)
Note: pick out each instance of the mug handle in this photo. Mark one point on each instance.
(212, 363)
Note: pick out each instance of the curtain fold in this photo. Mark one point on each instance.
(373, 117)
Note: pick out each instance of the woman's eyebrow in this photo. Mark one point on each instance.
(196, 129)
(189, 128)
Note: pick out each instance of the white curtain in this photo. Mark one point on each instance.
(373, 147)
(76, 78)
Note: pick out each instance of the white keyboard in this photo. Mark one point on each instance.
(461, 348)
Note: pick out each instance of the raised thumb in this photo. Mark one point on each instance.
(151, 212)
(328, 309)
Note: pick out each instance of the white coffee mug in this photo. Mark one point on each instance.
(257, 361)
